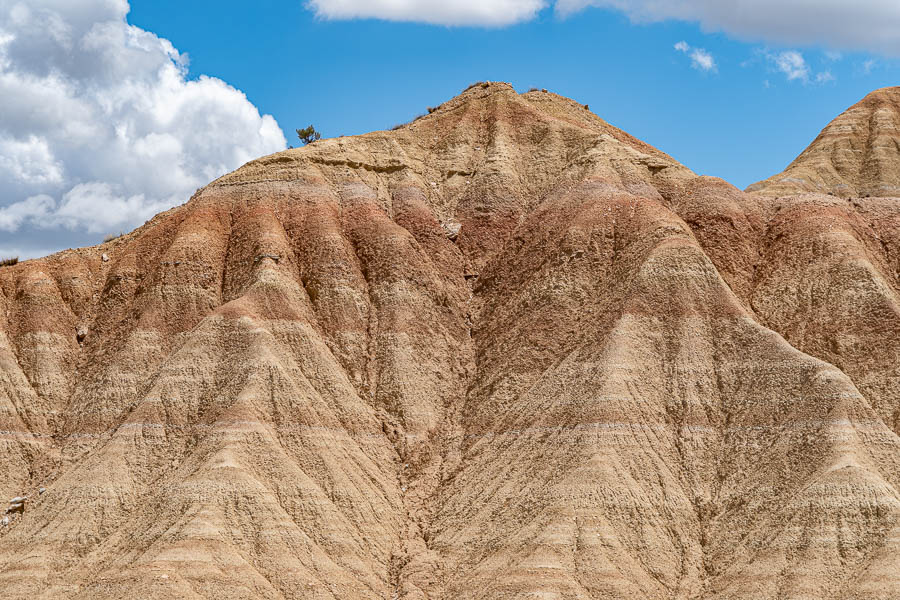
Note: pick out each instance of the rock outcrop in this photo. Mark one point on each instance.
(504, 351)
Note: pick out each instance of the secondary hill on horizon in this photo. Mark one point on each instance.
(506, 350)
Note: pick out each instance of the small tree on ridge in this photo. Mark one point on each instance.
(308, 135)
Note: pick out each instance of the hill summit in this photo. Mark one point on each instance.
(503, 351)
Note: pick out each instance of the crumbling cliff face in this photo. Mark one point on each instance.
(504, 351)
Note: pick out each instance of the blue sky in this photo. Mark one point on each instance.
(740, 98)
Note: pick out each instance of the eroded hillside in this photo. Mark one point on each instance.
(504, 351)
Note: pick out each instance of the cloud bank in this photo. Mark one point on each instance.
(862, 24)
(101, 127)
(870, 25)
(484, 13)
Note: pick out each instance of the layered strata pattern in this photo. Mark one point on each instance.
(505, 351)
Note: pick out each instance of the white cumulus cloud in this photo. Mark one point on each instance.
(485, 13)
(792, 64)
(703, 60)
(101, 126)
(700, 58)
(861, 24)
(794, 67)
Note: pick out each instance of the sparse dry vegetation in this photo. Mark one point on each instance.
(483, 84)
(112, 236)
(402, 125)
(8, 262)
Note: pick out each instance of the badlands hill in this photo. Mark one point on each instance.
(857, 154)
(504, 351)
